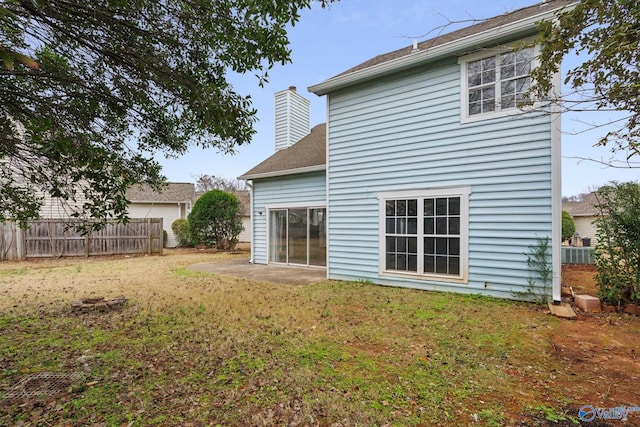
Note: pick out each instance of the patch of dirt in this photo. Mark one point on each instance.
(581, 277)
(600, 351)
(603, 351)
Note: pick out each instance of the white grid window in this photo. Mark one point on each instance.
(442, 235)
(496, 83)
(424, 233)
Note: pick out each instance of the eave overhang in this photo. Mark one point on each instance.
(274, 174)
(511, 31)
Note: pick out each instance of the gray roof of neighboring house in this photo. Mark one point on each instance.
(173, 193)
(426, 48)
(306, 155)
(585, 207)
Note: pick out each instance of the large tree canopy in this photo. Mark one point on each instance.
(607, 33)
(90, 90)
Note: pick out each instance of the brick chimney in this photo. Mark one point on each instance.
(291, 117)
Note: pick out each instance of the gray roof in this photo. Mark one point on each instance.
(425, 47)
(306, 155)
(173, 193)
(587, 206)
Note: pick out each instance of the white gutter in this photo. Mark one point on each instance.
(161, 202)
(556, 195)
(249, 184)
(422, 56)
(327, 193)
(306, 169)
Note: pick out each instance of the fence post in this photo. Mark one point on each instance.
(161, 235)
(22, 238)
(3, 251)
(149, 236)
(5, 247)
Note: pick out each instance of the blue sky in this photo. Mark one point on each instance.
(329, 41)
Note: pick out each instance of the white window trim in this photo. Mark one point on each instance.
(464, 83)
(312, 205)
(463, 193)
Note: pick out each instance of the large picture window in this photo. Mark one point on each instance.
(425, 233)
(493, 84)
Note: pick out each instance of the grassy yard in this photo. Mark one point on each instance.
(196, 349)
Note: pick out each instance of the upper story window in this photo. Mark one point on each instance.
(494, 84)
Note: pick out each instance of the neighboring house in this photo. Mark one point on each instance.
(584, 213)
(54, 208)
(245, 200)
(430, 176)
(174, 202)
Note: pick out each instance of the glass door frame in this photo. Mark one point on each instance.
(308, 208)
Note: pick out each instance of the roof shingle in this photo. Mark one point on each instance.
(174, 192)
(309, 153)
(485, 25)
(456, 43)
(587, 206)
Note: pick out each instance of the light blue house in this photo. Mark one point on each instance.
(427, 174)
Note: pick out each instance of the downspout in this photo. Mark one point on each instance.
(249, 184)
(556, 193)
(327, 191)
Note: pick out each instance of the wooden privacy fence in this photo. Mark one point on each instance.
(57, 238)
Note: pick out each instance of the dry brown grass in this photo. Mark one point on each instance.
(149, 280)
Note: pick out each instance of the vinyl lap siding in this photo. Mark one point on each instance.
(291, 118)
(245, 234)
(168, 212)
(281, 120)
(295, 189)
(55, 208)
(585, 227)
(405, 133)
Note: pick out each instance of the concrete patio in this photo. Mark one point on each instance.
(241, 268)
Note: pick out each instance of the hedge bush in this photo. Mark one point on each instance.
(215, 220)
(618, 249)
(180, 229)
(568, 225)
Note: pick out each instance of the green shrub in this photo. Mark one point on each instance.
(215, 220)
(568, 225)
(618, 250)
(540, 271)
(165, 237)
(180, 229)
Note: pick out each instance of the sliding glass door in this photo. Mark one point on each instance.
(298, 236)
(317, 237)
(278, 236)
